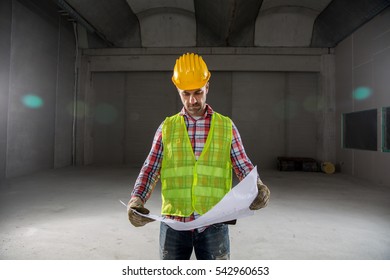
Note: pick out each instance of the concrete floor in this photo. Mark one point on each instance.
(74, 213)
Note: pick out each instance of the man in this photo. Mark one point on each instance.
(194, 152)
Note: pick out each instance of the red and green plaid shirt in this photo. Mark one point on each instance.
(197, 132)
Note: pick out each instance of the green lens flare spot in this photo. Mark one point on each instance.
(32, 101)
(362, 93)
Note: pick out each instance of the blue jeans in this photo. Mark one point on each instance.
(211, 244)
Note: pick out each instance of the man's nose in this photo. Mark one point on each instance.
(192, 99)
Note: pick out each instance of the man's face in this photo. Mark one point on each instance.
(194, 101)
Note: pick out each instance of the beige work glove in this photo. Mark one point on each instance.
(136, 220)
(262, 197)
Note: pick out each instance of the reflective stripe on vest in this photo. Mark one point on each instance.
(188, 184)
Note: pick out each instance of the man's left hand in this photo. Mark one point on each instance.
(262, 197)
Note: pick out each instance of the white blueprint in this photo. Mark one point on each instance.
(234, 205)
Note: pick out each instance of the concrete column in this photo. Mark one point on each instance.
(82, 113)
(326, 105)
(5, 54)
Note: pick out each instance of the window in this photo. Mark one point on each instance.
(360, 130)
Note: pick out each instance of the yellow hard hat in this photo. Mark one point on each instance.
(190, 72)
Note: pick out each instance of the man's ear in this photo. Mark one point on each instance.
(207, 87)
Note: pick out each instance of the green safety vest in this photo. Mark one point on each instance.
(188, 184)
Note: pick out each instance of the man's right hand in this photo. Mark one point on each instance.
(136, 220)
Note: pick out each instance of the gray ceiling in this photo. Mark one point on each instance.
(222, 23)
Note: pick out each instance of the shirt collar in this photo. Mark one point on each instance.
(209, 111)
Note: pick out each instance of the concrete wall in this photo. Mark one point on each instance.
(166, 23)
(363, 60)
(126, 111)
(277, 112)
(291, 26)
(259, 111)
(5, 51)
(38, 73)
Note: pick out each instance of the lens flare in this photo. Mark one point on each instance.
(310, 104)
(362, 93)
(32, 101)
(80, 111)
(313, 104)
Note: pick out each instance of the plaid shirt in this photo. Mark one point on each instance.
(197, 132)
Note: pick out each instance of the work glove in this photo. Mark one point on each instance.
(135, 219)
(262, 197)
